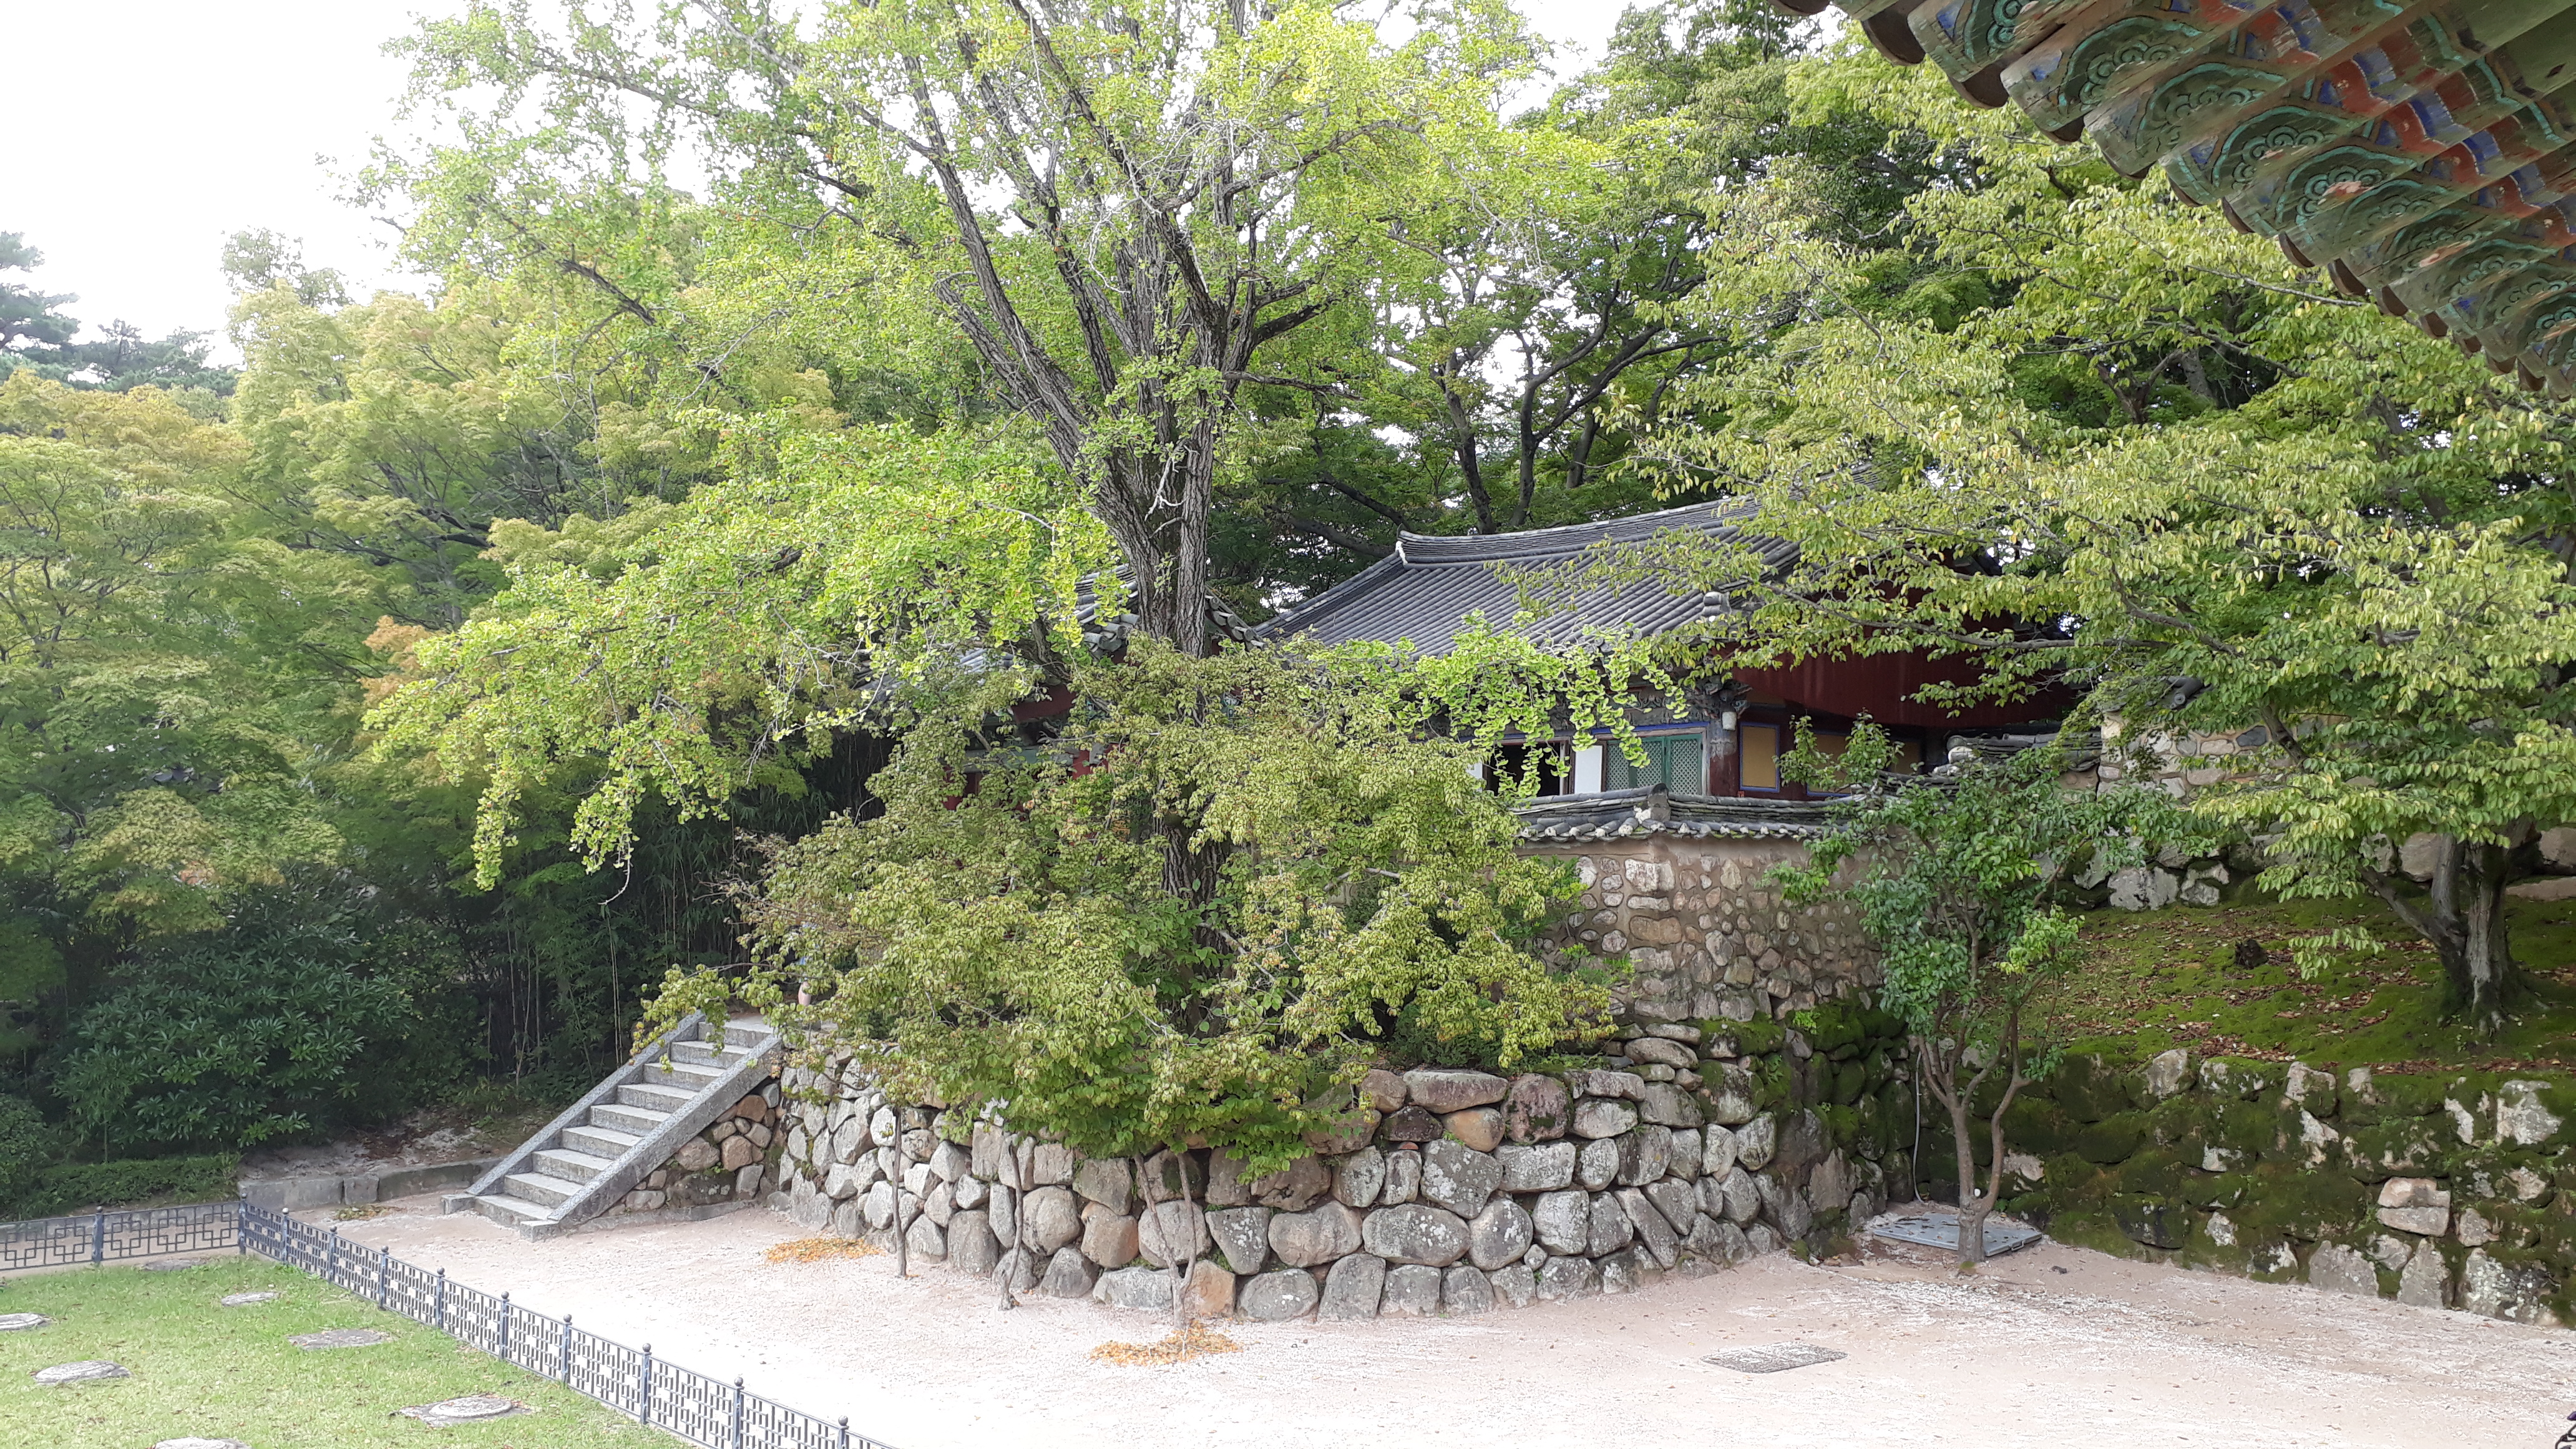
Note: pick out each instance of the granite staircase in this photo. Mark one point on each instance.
(624, 1128)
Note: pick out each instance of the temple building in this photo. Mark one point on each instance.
(1722, 741)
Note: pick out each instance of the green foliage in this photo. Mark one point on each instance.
(2136, 452)
(26, 1145)
(1223, 888)
(36, 338)
(1954, 879)
(267, 1030)
(77, 1186)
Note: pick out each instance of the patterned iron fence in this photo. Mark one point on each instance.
(632, 1381)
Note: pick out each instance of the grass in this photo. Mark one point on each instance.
(2170, 978)
(228, 1373)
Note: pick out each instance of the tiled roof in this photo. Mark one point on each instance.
(2423, 154)
(1653, 810)
(1426, 590)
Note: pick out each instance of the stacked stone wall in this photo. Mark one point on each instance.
(1706, 933)
(2442, 1190)
(1450, 1192)
(732, 1162)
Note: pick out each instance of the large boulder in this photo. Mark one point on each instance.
(1465, 1291)
(1499, 1235)
(1135, 1288)
(1536, 1108)
(1653, 1231)
(1435, 1090)
(1459, 1178)
(1315, 1237)
(1109, 1239)
(1479, 1127)
(1108, 1181)
(1359, 1177)
(1609, 1228)
(1645, 1155)
(1412, 1291)
(1277, 1297)
(1598, 1117)
(1242, 1236)
(1562, 1221)
(1416, 1233)
(1537, 1167)
(1172, 1231)
(1564, 1278)
(1352, 1288)
(1050, 1218)
(1668, 1105)
(972, 1248)
(1069, 1275)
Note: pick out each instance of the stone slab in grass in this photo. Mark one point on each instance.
(472, 1409)
(340, 1338)
(244, 1300)
(173, 1265)
(73, 1373)
(1771, 1358)
(21, 1322)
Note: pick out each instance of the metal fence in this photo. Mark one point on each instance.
(630, 1380)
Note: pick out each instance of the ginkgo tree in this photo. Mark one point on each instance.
(2149, 459)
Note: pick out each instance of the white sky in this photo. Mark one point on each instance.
(151, 129)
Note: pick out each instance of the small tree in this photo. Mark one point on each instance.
(1954, 876)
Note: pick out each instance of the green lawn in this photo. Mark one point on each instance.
(229, 1373)
(2169, 978)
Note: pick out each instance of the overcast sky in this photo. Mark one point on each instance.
(151, 129)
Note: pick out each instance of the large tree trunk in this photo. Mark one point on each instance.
(1973, 1205)
(2463, 917)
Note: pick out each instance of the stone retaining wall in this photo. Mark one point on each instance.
(733, 1161)
(1452, 1192)
(1705, 931)
(2450, 1190)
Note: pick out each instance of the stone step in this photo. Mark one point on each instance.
(689, 1077)
(749, 1031)
(660, 1099)
(511, 1211)
(572, 1163)
(705, 1054)
(538, 1187)
(625, 1117)
(600, 1141)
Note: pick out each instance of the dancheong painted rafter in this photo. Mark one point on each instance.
(2424, 155)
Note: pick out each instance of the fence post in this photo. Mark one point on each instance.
(644, 1393)
(737, 1413)
(566, 1375)
(505, 1328)
(241, 1225)
(384, 1263)
(331, 1270)
(97, 1236)
(845, 1431)
(441, 1323)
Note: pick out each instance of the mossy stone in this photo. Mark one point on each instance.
(2287, 1201)
(2185, 1122)
(2152, 1222)
(2237, 1077)
(2248, 1129)
(2155, 1172)
(2219, 1192)
(1752, 1038)
(2393, 1098)
(1851, 1078)
(2090, 1087)
(2113, 1139)
(2407, 1147)
(2099, 1229)
(2038, 1125)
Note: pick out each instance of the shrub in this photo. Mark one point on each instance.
(76, 1186)
(26, 1144)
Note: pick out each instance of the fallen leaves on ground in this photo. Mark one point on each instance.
(360, 1210)
(815, 1250)
(1196, 1341)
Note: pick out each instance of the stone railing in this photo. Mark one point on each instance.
(1451, 1192)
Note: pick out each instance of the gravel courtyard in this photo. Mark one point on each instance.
(2054, 1347)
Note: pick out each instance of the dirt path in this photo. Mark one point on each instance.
(2052, 1348)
